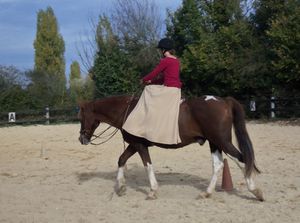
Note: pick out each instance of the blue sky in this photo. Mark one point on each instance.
(18, 26)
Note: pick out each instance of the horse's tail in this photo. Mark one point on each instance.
(243, 139)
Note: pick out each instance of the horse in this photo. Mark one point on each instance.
(201, 119)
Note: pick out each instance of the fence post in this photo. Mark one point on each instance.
(47, 115)
(252, 106)
(273, 107)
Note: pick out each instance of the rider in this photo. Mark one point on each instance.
(169, 66)
(155, 116)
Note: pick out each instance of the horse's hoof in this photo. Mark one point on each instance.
(121, 191)
(203, 196)
(152, 195)
(258, 194)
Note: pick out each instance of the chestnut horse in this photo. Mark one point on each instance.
(205, 118)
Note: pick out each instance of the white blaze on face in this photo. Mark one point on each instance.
(210, 97)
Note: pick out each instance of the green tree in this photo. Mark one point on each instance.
(223, 13)
(264, 12)
(9, 76)
(75, 70)
(15, 99)
(284, 36)
(75, 82)
(221, 56)
(113, 73)
(81, 89)
(85, 89)
(138, 25)
(13, 94)
(185, 26)
(277, 28)
(43, 89)
(49, 52)
(126, 46)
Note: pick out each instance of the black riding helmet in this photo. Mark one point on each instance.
(166, 44)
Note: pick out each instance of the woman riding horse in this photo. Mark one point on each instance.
(158, 118)
(155, 116)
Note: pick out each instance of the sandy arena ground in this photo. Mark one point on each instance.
(47, 176)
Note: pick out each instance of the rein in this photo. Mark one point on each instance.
(99, 136)
(112, 134)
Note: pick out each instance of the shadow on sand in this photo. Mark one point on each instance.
(136, 178)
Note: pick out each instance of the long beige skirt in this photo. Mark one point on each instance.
(155, 116)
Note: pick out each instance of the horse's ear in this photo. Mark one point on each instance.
(81, 106)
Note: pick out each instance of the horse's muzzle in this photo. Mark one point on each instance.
(83, 140)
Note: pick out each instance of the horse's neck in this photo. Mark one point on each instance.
(112, 110)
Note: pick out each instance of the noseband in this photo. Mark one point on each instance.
(86, 133)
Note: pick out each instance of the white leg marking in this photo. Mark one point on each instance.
(120, 176)
(250, 183)
(151, 176)
(217, 163)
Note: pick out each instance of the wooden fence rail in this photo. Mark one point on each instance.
(281, 108)
(41, 116)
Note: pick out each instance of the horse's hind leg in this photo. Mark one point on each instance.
(253, 189)
(121, 183)
(238, 157)
(144, 154)
(217, 164)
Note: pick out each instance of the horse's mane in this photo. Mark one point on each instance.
(103, 99)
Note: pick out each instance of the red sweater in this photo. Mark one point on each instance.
(169, 67)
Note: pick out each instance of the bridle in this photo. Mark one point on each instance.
(88, 134)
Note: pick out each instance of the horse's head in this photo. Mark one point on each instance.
(88, 122)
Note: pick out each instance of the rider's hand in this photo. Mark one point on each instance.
(145, 82)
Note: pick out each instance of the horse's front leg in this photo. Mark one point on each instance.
(144, 153)
(121, 183)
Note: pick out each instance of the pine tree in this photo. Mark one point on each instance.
(75, 71)
(75, 82)
(185, 25)
(49, 53)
